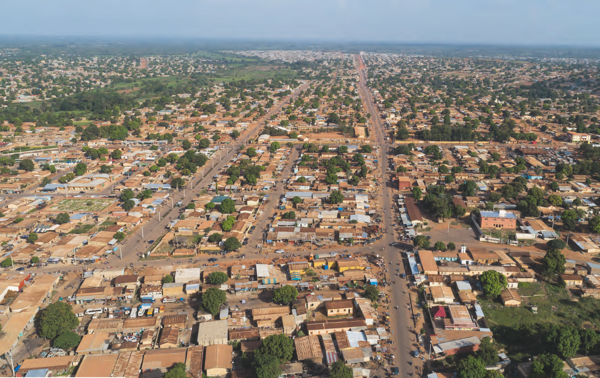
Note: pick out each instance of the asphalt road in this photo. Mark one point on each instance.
(403, 337)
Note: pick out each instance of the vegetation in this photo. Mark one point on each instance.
(212, 300)
(285, 294)
(57, 319)
(217, 278)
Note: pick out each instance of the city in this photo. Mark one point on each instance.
(269, 210)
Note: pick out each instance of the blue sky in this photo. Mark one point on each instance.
(512, 22)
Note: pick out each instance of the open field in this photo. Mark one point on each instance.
(83, 204)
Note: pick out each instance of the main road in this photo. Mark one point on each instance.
(403, 337)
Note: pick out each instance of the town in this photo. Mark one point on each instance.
(296, 213)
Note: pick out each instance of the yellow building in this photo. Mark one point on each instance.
(298, 267)
(319, 263)
(348, 264)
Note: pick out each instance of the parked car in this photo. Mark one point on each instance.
(212, 259)
(280, 251)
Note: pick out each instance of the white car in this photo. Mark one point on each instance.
(133, 314)
(280, 251)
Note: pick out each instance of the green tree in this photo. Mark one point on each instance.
(177, 371)
(35, 260)
(266, 366)
(556, 244)
(80, 169)
(470, 367)
(116, 154)
(547, 365)
(555, 200)
(279, 346)
(343, 149)
(57, 319)
(553, 263)
(451, 246)
(487, 352)
(217, 278)
(336, 197)
(296, 200)
(285, 294)
(119, 236)
(26, 165)
(32, 238)
(227, 206)
(568, 342)
(570, 218)
(67, 340)
(212, 300)
(468, 188)
(251, 152)
(440, 246)
(168, 279)
(594, 224)
(6, 262)
(421, 241)
(417, 192)
(372, 293)
(339, 369)
(209, 206)
(232, 244)
(274, 146)
(128, 205)
(493, 283)
(215, 238)
(589, 340)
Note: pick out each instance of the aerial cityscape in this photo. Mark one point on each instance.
(298, 205)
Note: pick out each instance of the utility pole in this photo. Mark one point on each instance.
(121, 252)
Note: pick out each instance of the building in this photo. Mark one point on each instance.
(498, 219)
(97, 365)
(212, 333)
(467, 345)
(578, 137)
(308, 348)
(217, 360)
(339, 308)
(331, 326)
(572, 279)
(510, 298)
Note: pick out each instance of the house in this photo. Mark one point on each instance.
(126, 280)
(337, 308)
(308, 348)
(441, 294)
(169, 337)
(572, 279)
(481, 256)
(510, 298)
(578, 137)
(331, 326)
(498, 219)
(217, 360)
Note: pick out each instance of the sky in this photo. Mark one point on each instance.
(496, 22)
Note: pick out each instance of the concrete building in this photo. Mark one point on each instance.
(213, 333)
(498, 219)
(217, 360)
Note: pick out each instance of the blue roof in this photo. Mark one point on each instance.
(78, 216)
(496, 214)
(37, 373)
(157, 186)
(219, 199)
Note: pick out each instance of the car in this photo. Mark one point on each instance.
(212, 259)
(280, 251)
(395, 370)
(150, 241)
(20, 269)
(82, 192)
(415, 353)
(156, 310)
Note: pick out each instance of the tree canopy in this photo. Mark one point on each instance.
(493, 283)
(285, 294)
(212, 300)
(217, 278)
(57, 319)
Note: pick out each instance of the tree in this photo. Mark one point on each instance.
(372, 293)
(487, 352)
(177, 371)
(553, 263)
(6, 262)
(62, 218)
(549, 365)
(191, 206)
(451, 246)
(57, 319)
(217, 278)
(32, 238)
(168, 279)
(339, 369)
(470, 367)
(421, 241)
(26, 165)
(67, 340)
(116, 154)
(417, 192)
(266, 366)
(343, 149)
(440, 246)
(232, 244)
(280, 346)
(251, 152)
(186, 144)
(556, 244)
(212, 300)
(366, 149)
(128, 205)
(589, 340)
(555, 200)
(296, 200)
(227, 206)
(570, 218)
(119, 236)
(215, 238)
(568, 342)
(493, 283)
(234, 134)
(594, 224)
(468, 188)
(80, 169)
(177, 182)
(336, 197)
(35, 260)
(274, 146)
(209, 206)
(285, 294)
(289, 215)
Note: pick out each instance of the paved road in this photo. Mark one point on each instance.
(402, 336)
